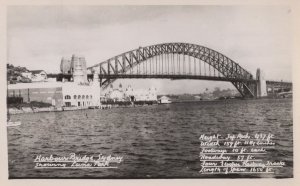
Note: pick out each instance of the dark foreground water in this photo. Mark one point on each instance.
(158, 141)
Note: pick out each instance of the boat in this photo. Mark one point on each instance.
(13, 123)
(288, 94)
(70, 108)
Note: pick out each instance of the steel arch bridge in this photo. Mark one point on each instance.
(176, 61)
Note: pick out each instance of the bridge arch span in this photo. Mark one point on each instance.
(119, 66)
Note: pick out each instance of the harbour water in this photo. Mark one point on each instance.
(157, 141)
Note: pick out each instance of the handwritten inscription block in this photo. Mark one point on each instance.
(76, 161)
(237, 154)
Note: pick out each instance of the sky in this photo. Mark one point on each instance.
(253, 36)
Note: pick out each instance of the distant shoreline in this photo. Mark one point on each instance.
(27, 109)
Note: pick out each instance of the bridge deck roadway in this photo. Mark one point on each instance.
(172, 77)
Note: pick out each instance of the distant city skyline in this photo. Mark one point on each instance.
(255, 37)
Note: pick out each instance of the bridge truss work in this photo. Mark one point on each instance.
(176, 61)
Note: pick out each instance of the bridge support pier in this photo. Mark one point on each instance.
(261, 85)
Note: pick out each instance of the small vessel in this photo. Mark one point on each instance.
(13, 123)
(70, 108)
(288, 94)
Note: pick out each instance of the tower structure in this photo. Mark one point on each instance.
(78, 72)
(65, 66)
(261, 84)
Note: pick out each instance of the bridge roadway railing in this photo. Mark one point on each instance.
(172, 77)
(279, 83)
(270, 83)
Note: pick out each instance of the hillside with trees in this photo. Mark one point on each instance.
(14, 74)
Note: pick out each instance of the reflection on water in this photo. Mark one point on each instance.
(158, 141)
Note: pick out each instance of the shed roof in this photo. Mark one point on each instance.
(37, 71)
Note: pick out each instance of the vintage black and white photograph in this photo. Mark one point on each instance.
(149, 91)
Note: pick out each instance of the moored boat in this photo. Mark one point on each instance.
(13, 123)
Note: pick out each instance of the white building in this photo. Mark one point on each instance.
(80, 93)
(76, 95)
(141, 95)
(35, 75)
(59, 94)
(130, 94)
(38, 75)
(27, 74)
(164, 99)
(116, 95)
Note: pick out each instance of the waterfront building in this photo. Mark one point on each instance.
(141, 95)
(35, 75)
(27, 74)
(118, 94)
(197, 97)
(58, 94)
(164, 99)
(206, 95)
(50, 92)
(38, 75)
(77, 93)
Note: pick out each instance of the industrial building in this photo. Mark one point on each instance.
(42, 92)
